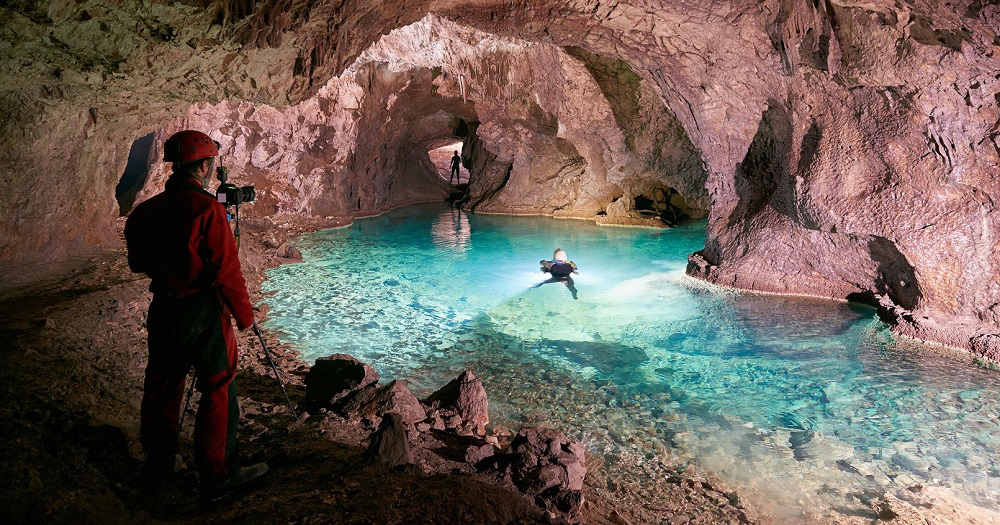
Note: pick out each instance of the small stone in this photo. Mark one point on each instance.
(475, 454)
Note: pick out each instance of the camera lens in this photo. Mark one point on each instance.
(249, 194)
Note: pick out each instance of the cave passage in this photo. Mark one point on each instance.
(788, 399)
(837, 150)
(441, 158)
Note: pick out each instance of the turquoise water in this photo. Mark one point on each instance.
(805, 406)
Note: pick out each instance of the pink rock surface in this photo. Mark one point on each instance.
(838, 148)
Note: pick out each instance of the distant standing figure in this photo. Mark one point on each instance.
(456, 162)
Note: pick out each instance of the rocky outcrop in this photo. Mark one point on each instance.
(347, 387)
(288, 252)
(460, 406)
(543, 464)
(372, 404)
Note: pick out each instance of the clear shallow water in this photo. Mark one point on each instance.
(802, 405)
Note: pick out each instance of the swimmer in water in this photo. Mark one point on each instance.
(560, 268)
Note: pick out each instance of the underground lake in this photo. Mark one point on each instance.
(804, 406)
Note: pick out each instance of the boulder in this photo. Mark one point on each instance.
(388, 445)
(987, 346)
(546, 466)
(333, 378)
(476, 453)
(622, 207)
(374, 403)
(286, 251)
(461, 405)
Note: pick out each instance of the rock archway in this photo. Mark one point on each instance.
(847, 148)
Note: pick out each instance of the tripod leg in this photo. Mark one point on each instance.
(187, 403)
(277, 377)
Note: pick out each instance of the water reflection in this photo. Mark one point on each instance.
(451, 231)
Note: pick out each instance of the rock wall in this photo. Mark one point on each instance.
(842, 148)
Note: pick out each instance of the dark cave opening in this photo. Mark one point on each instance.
(666, 204)
(135, 174)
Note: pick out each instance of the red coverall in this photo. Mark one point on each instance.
(182, 240)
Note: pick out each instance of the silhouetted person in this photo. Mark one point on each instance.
(181, 239)
(456, 162)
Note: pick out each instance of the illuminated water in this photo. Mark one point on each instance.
(800, 404)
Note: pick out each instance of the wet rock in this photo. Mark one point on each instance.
(891, 508)
(623, 207)
(987, 346)
(286, 251)
(333, 378)
(389, 445)
(911, 462)
(461, 404)
(373, 403)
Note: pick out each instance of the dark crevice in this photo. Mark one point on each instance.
(486, 196)
(757, 177)
(135, 175)
(895, 275)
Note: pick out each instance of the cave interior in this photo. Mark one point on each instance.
(841, 150)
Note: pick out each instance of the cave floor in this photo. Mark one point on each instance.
(71, 371)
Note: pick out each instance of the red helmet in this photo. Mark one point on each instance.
(188, 145)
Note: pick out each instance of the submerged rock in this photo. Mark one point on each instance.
(333, 378)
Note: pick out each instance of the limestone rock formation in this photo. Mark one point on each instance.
(841, 149)
(286, 251)
(372, 403)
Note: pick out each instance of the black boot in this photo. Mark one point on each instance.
(242, 477)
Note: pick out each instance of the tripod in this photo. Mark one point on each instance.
(274, 368)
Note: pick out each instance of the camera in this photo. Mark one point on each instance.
(231, 194)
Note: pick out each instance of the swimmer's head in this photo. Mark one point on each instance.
(559, 255)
